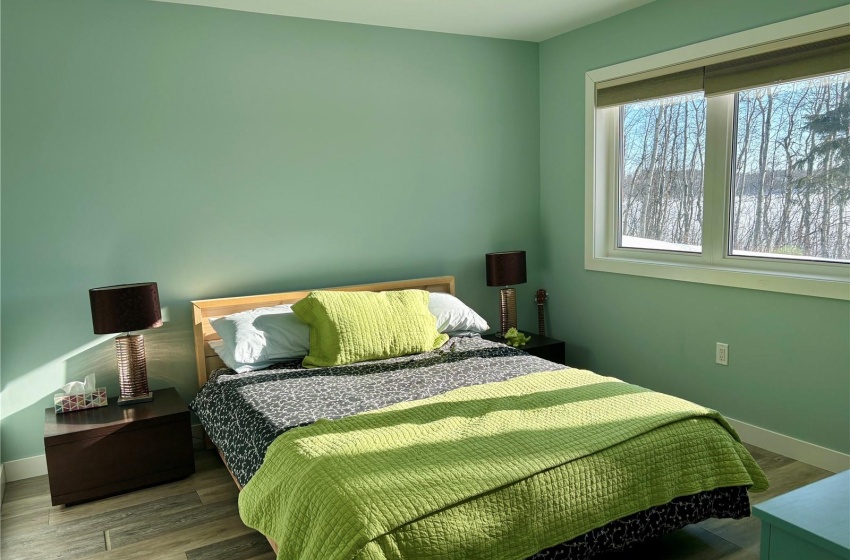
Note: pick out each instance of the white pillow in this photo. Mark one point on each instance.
(455, 316)
(226, 356)
(263, 334)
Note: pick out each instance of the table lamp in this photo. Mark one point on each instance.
(125, 308)
(506, 269)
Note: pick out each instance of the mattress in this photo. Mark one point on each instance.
(244, 413)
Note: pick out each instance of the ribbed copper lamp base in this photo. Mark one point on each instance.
(507, 310)
(132, 369)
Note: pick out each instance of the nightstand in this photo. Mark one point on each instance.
(544, 347)
(103, 451)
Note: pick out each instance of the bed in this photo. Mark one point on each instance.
(614, 495)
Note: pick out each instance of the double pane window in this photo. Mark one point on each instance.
(738, 165)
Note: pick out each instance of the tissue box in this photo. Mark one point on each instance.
(70, 403)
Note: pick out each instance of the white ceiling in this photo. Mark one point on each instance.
(527, 20)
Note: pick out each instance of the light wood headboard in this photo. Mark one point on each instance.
(207, 360)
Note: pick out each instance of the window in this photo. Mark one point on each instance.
(731, 168)
(791, 172)
(661, 173)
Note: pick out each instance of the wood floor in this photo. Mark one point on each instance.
(196, 519)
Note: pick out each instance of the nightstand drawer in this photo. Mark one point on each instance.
(101, 452)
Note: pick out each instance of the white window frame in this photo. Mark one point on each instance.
(714, 265)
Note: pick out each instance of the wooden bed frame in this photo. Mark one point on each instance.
(207, 361)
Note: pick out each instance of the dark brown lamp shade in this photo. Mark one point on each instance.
(506, 269)
(125, 308)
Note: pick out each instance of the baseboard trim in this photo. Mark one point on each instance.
(803, 451)
(26, 468)
(822, 457)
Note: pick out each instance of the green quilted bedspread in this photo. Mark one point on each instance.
(500, 470)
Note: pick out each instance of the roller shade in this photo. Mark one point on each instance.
(678, 83)
(804, 61)
(728, 73)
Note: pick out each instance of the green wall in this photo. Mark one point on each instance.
(789, 356)
(223, 153)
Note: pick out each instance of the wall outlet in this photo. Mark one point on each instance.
(722, 354)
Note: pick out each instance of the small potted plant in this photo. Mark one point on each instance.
(515, 338)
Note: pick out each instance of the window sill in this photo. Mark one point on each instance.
(826, 287)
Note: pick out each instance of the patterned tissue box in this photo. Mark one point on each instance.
(70, 403)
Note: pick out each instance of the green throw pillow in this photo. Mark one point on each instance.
(348, 327)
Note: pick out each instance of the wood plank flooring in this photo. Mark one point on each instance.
(196, 519)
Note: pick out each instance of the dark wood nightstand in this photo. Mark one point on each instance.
(544, 347)
(103, 451)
